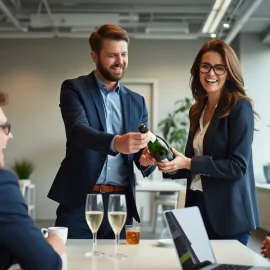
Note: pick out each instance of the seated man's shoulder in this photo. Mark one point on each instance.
(7, 177)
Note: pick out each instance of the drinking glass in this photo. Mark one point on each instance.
(94, 213)
(117, 215)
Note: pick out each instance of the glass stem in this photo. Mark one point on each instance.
(94, 241)
(116, 243)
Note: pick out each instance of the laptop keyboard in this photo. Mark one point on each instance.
(231, 267)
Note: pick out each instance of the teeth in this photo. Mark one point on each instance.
(210, 80)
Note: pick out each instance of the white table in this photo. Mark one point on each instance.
(159, 186)
(148, 255)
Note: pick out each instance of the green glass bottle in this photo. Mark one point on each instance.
(158, 147)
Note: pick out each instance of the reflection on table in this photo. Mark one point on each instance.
(149, 255)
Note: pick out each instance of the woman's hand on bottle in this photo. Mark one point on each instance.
(146, 159)
(179, 162)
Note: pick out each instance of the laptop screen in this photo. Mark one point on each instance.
(190, 238)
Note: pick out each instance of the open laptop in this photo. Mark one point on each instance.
(191, 241)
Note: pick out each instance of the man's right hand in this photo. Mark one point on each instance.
(57, 244)
(131, 142)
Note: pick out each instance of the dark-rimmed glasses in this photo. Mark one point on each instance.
(6, 127)
(218, 69)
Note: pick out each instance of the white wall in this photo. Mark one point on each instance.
(31, 71)
(255, 61)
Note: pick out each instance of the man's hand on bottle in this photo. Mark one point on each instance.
(131, 142)
(146, 159)
(179, 162)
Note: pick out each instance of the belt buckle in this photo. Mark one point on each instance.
(101, 190)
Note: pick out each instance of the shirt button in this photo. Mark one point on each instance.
(109, 168)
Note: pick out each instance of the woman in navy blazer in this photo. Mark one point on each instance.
(218, 158)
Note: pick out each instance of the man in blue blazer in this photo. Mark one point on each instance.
(20, 239)
(101, 119)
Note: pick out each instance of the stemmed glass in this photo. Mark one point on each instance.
(117, 215)
(94, 212)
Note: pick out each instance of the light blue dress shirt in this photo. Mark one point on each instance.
(114, 171)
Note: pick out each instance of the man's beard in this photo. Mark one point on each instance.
(107, 74)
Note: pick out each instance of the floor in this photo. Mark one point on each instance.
(146, 233)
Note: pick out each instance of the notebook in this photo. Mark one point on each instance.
(191, 241)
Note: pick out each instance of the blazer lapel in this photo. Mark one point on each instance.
(211, 130)
(126, 107)
(96, 95)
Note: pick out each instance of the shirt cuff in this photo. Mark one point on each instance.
(145, 170)
(112, 144)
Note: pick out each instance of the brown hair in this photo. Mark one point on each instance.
(3, 98)
(233, 88)
(106, 31)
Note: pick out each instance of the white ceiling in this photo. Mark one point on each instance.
(155, 19)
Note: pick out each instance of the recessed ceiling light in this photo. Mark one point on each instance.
(226, 25)
(213, 35)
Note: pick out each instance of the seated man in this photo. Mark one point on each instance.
(265, 248)
(20, 239)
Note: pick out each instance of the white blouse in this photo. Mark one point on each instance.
(196, 183)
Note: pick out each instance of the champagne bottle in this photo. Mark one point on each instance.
(158, 147)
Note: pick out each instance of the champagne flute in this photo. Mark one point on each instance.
(94, 212)
(117, 215)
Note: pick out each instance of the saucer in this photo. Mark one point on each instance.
(165, 242)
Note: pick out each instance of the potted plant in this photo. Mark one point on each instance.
(175, 126)
(23, 169)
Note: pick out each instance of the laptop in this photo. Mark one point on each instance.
(191, 241)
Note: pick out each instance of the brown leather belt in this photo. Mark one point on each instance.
(105, 189)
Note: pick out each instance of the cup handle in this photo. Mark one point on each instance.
(44, 232)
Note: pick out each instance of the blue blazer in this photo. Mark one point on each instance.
(226, 170)
(20, 239)
(88, 144)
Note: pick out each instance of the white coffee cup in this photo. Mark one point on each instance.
(61, 232)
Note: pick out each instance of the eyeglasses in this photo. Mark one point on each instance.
(6, 127)
(218, 69)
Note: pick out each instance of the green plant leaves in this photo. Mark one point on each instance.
(23, 168)
(175, 126)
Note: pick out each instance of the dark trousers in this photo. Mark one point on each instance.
(75, 220)
(198, 200)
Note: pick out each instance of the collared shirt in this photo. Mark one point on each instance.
(114, 171)
(196, 183)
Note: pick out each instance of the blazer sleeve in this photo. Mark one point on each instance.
(180, 174)
(76, 122)
(18, 234)
(240, 136)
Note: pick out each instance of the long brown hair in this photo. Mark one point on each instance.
(233, 89)
(3, 98)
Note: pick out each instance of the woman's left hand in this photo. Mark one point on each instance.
(180, 162)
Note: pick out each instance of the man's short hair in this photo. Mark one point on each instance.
(107, 31)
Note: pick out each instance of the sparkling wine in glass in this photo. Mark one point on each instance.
(117, 215)
(94, 212)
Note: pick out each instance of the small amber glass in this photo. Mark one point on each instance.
(132, 234)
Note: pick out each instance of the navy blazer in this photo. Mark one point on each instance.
(20, 239)
(226, 170)
(88, 144)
